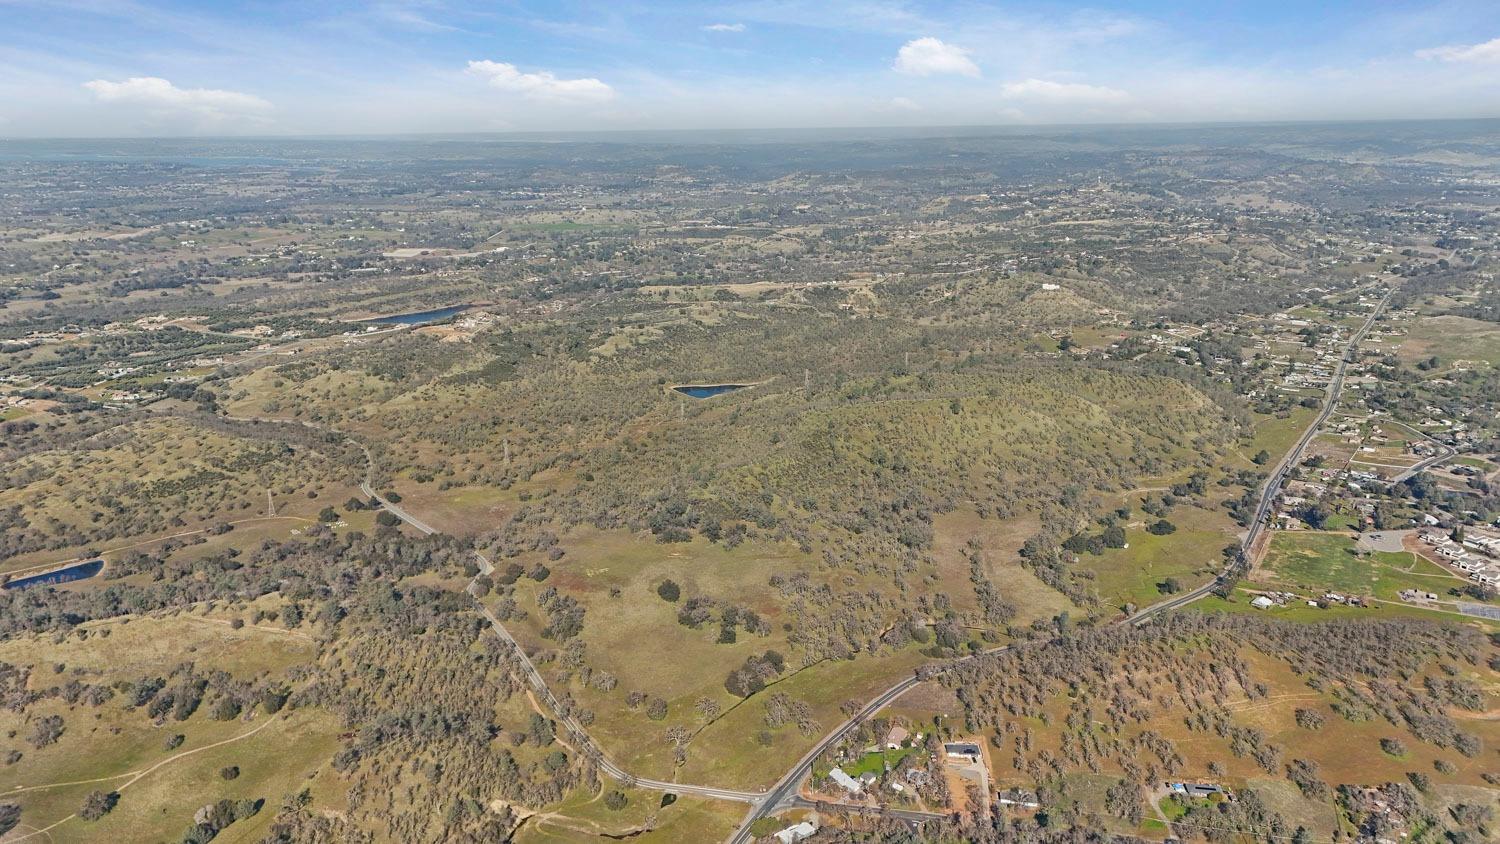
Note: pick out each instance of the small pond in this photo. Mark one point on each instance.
(703, 391)
(419, 317)
(81, 571)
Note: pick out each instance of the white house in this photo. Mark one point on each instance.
(796, 832)
(1261, 602)
(848, 783)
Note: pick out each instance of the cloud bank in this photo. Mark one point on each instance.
(542, 85)
(1485, 53)
(159, 94)
(1075, 93)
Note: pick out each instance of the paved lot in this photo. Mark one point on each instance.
(1385, 540)
(1481, 610)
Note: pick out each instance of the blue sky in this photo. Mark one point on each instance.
(137, 67)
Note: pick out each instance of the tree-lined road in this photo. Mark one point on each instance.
(784, 792)
(1272, 487)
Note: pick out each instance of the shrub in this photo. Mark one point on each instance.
(10, 815)
(1309, 719)
(98, 804)
(669, 591)
(46, 731)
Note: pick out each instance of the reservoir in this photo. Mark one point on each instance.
(703, 391)
(419, 317)
(80, 571)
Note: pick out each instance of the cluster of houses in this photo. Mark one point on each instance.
(1458, 555)
(896, 738)
(1273, 599)
(1327, 599)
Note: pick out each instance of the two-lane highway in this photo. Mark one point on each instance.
(785, 791)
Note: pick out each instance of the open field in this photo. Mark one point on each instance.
(1000, 389)
(1314, 563)
(1135, 575)
(686, 820)
(110, 747)
(1453, 339)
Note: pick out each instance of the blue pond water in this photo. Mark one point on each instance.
(703, 391)
(81, 571)
(420, 317)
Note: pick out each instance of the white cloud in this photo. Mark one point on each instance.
(157, 93)
(725, 27)
(929, 56)
(1075, 93)
(905, 104)
(542, 85)
(1486, 53)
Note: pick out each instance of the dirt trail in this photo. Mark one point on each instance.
(135, 776)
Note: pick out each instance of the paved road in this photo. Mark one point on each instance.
(783, 792)
(1272, 487)
(1417, 469)
(398, 512)
(577, 735)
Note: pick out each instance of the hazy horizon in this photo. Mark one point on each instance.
(760, 135)
(162, 68)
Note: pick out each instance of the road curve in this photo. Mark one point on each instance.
(577, 735)
(785, 789)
